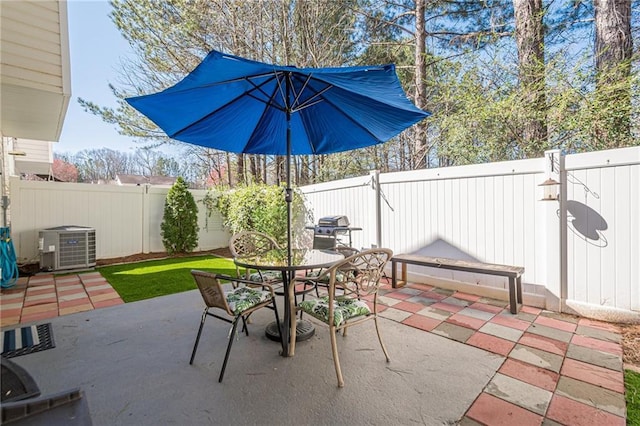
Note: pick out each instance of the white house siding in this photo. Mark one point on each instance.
(35, 70)
(38, 158)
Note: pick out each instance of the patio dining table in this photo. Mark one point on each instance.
(276, 260)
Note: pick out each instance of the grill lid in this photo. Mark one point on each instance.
(338, 220)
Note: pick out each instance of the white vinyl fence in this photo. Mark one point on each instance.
(126, 218)
(493, 213)
(580, 253)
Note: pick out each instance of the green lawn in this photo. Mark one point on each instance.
(144, 280)
(632, 393)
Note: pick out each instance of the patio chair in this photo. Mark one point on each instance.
(320, 279)
(356, 276)
(252, 243)
(238, 303)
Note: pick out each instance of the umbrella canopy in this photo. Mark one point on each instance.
(238, 105)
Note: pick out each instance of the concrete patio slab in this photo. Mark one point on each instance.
(132, 362)
(140, 349)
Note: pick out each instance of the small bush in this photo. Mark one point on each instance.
(180, 222)
(263, 208)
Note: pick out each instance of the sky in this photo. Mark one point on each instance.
(96, 48)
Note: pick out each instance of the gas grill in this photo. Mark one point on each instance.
(332, 231)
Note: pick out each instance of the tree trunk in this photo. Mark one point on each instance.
(420, 141)
(304, 170)
(613, 50)
(264, 168)
(281, 175)
(531, 71)
(229, 178)
(255, 168)
(241, 178)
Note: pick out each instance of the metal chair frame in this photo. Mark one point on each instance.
(360, 277)
(214, 297)
(247, 243)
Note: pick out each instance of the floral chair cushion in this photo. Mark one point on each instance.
(266, 276)
(340, 276)
(243, 298)
(344, 308)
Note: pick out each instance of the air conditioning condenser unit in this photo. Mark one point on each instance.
(67, 247)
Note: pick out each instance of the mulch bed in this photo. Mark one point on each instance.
(31, 269)
(222, 252)
(631, 344)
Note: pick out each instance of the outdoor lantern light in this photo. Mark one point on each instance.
(550, 187)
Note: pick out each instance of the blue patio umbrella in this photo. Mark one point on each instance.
(243, 106)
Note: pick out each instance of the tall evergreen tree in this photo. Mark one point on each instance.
(179, 227)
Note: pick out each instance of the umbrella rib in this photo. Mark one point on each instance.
(256, 86)
(304, 85)
(265, 110)
(311, 101)
(316, 95)
(223, 82)
(357, 124)
(270, 96)
(283, 92)
(347, 116)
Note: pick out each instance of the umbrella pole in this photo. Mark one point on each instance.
(289, 193)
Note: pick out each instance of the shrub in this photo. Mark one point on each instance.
(262, 208)
(180, 222)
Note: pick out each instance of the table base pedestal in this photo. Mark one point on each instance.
(304, 330)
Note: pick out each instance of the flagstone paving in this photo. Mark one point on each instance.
(558, 369)
(47, 296)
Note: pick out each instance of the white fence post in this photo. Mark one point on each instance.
(555, 254)
(564, 260)
(375, 183)
(146, 213)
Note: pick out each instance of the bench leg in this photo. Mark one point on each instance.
(393, 274)
(404, 275)
(395, 283)
(519, 288)
(513, 304)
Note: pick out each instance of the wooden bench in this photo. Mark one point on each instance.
(514, 273)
